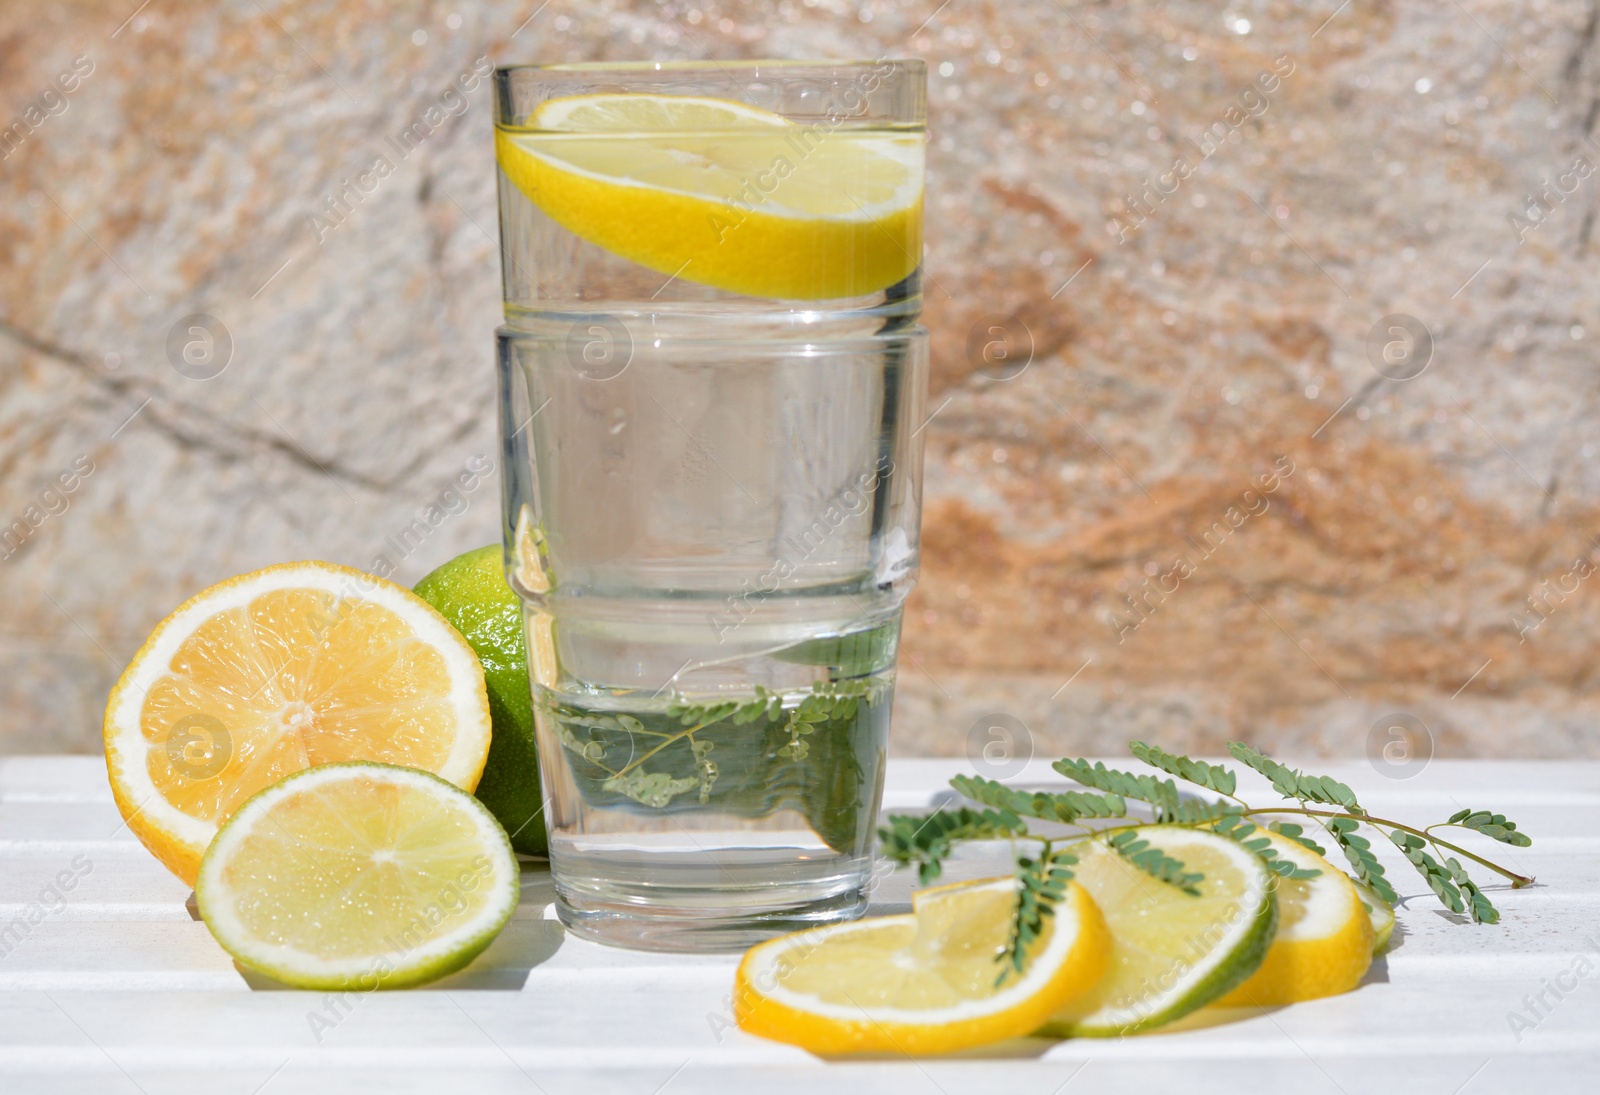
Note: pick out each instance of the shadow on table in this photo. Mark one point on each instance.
(1023, 1048)
(527, 941)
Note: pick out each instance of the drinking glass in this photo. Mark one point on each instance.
(712, 388)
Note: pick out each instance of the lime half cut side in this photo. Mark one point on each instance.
(1171, 952)
(358, 876)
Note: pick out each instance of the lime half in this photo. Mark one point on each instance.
(358, 876)
(1171, 952)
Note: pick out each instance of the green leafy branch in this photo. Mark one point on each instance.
(1042, 879)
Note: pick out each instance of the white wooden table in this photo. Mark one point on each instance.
(116, 987)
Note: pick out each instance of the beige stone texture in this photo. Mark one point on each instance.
(1187, 333)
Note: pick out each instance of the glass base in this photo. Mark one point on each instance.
(704, 919)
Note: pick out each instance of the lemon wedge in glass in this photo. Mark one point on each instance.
(725, 194)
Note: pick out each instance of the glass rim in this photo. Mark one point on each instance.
(902, 64)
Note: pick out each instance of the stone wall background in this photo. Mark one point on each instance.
(1186, 334)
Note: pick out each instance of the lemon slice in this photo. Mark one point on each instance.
(1171, 952)
(725, 194)
(358, 877)
(1324, 941)
(922, 982)
(1381, 913)
(273, 672)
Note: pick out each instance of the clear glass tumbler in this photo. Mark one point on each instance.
(712, 391)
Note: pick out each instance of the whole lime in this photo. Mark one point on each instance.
(471, 592)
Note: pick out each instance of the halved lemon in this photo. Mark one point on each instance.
(923, 982)
(1324, 941)
(1171, 952)
(358, 877)
(725, 194)
(273, 672)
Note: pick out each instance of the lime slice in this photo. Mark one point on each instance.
(1324, 941)
(471, 592)
(725, 194)
(922, 982)
(358, 876)
(1380, 913)
(1171, 952)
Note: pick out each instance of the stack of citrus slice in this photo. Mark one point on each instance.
(1126, 953)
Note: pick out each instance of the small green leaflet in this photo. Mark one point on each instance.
(1212, 777)
(826, 701)
(1066, 806)
(1154, 862)
(705, 767)
(1237, 828)
(1494, 826)
(1160, 793)
(1358, 850)
(764, 705)
(1483, 912)
(924, 842)
(1445, 881)
(592, 751)
(654, 789)
(1292, 784)
(1296, 833)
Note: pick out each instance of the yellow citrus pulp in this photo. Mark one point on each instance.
(1324, 941)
